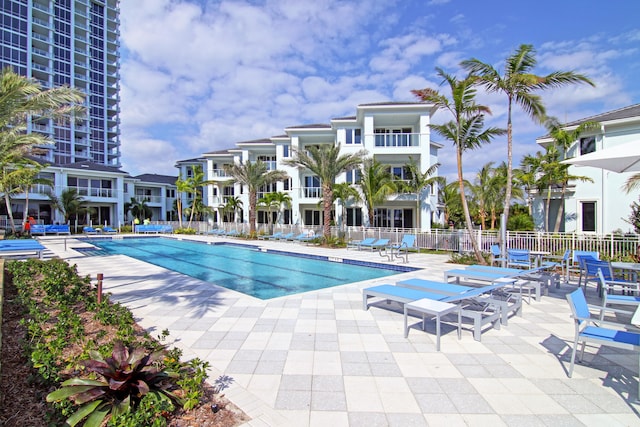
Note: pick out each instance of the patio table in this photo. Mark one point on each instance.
(437, 308)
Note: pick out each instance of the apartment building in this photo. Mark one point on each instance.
(74, 43)
(598, 206)
(392, 132)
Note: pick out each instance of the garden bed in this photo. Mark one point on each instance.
(23, 388)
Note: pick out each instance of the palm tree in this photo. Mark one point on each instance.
(563, 139)
(484, 192)
(519, 84)
(376, 184)
(269, 201)
(194, 187)
(527, 177)
(233, 205)
(17, 177)
(254, 176)
(343, 192)
(465, 130)
(281, 199)
(416, 182)
(138, 208)
(327, 164)
(182, 186)
(449, 195)
(70, 204)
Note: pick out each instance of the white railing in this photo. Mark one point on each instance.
(397, 139)
(311, 192)
(220, 173)
(149, 199)
(95, 192)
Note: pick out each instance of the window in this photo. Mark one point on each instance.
(589, 216)
(587, 145)
(126, 187)
(171, 193)
(312, 217)
(286, 150)
(287, 184)
(353, 176)
(354, 136)
(354, 217)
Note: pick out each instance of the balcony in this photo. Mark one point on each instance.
(311, 192)
(149, 199)
(40, 37)
(40, 127)
(39, 67)
(95, 192)
(219, 173)
(41, 22)
(41, 7)
(397, 139)
(40, 52)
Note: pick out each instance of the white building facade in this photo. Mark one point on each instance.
(600, 206)
(393, 133)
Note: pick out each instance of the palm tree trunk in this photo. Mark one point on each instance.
(327, 201)
(556, 226)
(546, 213)
(7, 203)
(507, 192)
(253, 202)
(467, 215)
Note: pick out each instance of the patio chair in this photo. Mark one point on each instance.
(21, 248)
(363, 242)
(519, 258)
(496, 255)
(629, 287)
(408, 242)
(106, 229)
(553, 261)
(286, 236)
(270, 236)
(585, 332)
(576, 267)
(377, 245)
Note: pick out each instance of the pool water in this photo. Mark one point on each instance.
(243, 268)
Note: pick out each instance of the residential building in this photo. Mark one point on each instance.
(395, 133)
(598, 206)
(75, 43)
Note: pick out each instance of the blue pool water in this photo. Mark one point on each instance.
(243, 268)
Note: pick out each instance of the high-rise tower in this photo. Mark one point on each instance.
(75, 43)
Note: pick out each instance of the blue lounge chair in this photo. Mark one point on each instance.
(376, 244)
(585, 332)
(508, 302)
(519, 279)
(287, 236)
(89, 230)
(308, 237)
(359, 243)
(404, 295)
(232, 233)
(38, 229)
(270, 236)
(21, 247)
(107, 229)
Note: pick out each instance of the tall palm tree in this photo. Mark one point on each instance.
(194, 186)
(182, 186)
(526, 176)
(281, 200)
(484, 192)
(519, 83)
(376, 184)
(17, 177)
(344, 192)
(563, 139)
(326, 162)
(465, 131)
(70, 204)
(253, 175)
(416, 181)
(271, 201)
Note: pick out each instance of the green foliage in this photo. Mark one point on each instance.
(520, 222)
(634, 217)
(467, 258)
(123, 380)
(54, 297)
(184, 230)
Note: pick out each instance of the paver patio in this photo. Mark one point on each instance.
(318, 359)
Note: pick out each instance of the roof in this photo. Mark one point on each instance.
(196, 160)
(256, 141)
(311, 126)
(345, 118)
(225, 151)
(90, 166)
(373, 104)
(158, 179)
(621, 113)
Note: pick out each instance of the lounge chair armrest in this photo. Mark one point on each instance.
(599, 322)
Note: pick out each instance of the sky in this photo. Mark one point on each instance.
(199, 76)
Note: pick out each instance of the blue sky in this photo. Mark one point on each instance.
(198, 76)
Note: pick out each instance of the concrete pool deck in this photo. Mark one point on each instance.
(318, 359)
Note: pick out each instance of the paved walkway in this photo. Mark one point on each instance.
(319, 359)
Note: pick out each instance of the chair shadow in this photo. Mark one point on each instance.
(617, 377)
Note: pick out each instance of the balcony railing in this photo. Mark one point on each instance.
(40, 52)
(39, 127)
(220, 173)
(39, 67)
(397, 139)
(149, 199)
(39, 6)
(39, 36)
(95, 192)
(41, 22)
(311, 192)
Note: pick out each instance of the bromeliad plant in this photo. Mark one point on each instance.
(128, 376)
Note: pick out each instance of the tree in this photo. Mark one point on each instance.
(344, 192)
(253, 175)
(273, 201)
(376, 184)
(194, 186)
(138, 208)
(465, 131)
(326, 162)
(417, 181)
(519, 84)
(22, 99)
(182, 186)
(70, 204)
(17, 177)
(526, 176)
(233, 205)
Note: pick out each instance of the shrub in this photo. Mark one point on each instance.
(184, 230)
(124, 379)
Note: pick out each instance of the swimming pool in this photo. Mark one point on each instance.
(243, 268)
